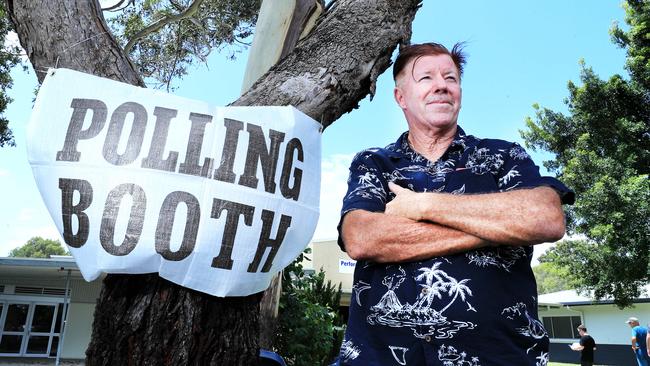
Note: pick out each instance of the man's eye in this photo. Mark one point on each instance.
(425, 78)
(451, 78)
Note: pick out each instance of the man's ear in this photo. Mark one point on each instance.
(399, 97)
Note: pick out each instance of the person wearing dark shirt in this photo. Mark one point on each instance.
(586, 347)
(442, 224)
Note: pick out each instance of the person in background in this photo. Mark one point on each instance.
(586, 347)
(639, 338)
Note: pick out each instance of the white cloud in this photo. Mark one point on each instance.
(334, 176)
(4, 173)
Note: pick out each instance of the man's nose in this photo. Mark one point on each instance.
(439, 84)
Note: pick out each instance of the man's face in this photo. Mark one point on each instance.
(428, 91)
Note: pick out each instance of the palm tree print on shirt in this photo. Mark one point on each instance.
(452, 357)
(425, 316)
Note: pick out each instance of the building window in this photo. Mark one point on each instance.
(562, 326)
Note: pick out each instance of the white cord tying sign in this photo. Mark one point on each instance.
(216, 199)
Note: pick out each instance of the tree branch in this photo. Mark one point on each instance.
(118, 6)
(338, 63)
(190, 11)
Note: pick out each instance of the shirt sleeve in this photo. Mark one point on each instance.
(519, 171)
(367, 188)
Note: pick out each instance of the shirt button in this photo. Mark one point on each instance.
(427, 338)
(425, 290)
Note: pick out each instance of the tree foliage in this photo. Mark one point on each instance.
(164, 37)
(551, 277)
(636, 40)
(38, 247)
(602, 151)
(310, 329)
(9, 57)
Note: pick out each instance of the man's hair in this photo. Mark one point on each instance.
(415, 51)
(582, 328)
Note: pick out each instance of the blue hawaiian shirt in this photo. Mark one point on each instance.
(473, 308)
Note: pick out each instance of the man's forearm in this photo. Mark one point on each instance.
(381, 238)
(518, 217)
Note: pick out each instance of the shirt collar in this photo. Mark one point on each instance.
(402, 147)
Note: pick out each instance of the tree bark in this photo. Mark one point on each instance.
(338, 63)
(269, 312)
(146, 320)
(70, 34)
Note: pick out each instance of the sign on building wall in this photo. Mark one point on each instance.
(216, 199)
(346, 265)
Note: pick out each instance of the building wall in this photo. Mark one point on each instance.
(605, 354)
(606, 324)
(83, 297)
(85, 292)
(338, 266)
(80, 290)
(78, 331)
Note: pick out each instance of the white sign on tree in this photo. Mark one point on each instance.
(216, 199)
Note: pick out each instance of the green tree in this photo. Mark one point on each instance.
(551, 277)
(602, 151)
(9, 57)
(38, 247)
(164, 37)
(310, 329)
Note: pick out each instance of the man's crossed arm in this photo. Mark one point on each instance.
(418, 226)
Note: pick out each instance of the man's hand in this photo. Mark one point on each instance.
(405, 204)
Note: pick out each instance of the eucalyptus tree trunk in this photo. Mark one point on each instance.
(146, 320)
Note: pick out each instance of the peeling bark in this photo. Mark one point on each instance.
(146, 320)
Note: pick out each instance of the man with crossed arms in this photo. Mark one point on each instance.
(442, 225)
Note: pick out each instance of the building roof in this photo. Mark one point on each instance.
(35, 267)
(571, 297)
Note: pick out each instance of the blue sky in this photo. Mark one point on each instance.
(520, 53)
